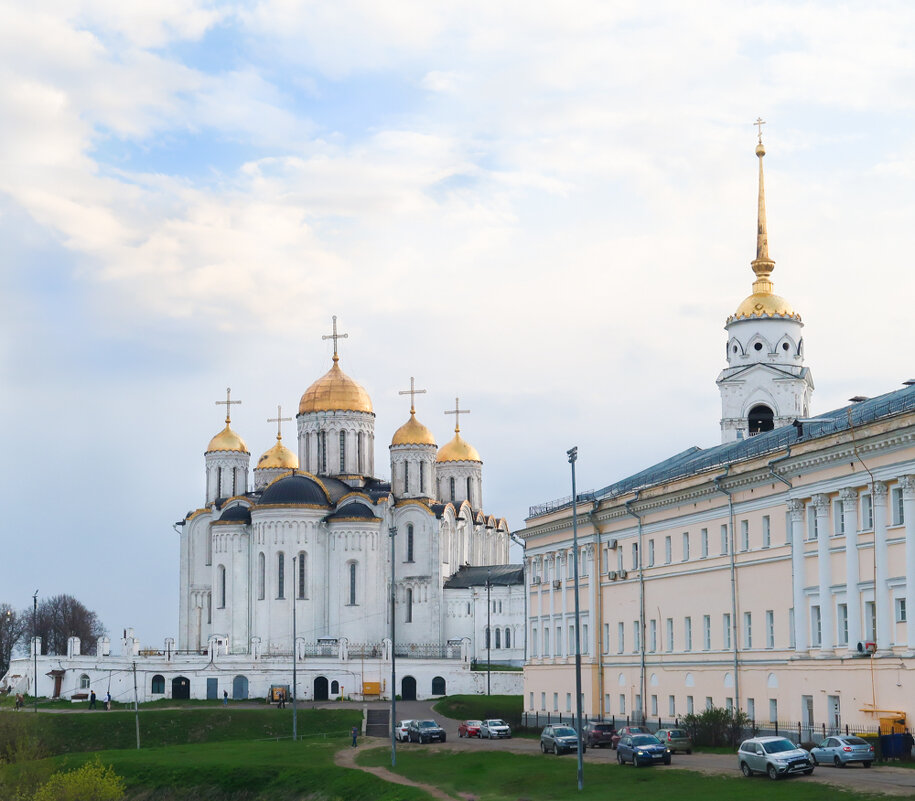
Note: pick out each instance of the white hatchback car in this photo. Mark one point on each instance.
(495, 728)
(400, 731)
(776, 756)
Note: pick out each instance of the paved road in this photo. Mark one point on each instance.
(886, 780)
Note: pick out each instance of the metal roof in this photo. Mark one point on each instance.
(498, 576)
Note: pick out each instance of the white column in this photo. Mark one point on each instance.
(824, 573)
(796, 508)
(884, 634)
(849, 499)
(550, 560)
(908, 510)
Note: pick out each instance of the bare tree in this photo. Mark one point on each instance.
(13, 628)
(61, 617)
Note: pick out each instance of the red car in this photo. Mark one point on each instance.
(470, 728)
(624, 731)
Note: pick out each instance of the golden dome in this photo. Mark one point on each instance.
(335, 391)
(764, 304)
(458, 450)
(413, 433)
(227, 440)
(278, 456)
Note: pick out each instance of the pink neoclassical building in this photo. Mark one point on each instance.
(768, 573)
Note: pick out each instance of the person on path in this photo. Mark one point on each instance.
(225, 697)
(92, 699)
(108, 700)
(355, 733)
(19, 701)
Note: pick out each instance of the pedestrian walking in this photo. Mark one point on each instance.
(108, 700)
(225, 697)
(355, 733)
(19, 701)
(92, 699)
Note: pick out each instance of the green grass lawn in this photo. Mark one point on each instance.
(479, 707)
(500, 776)
(227, 771)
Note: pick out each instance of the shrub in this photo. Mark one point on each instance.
(92, 782)
(716, 726)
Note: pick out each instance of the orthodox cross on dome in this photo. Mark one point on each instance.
(228, 403)
(759, 124)
(412, 392)
(279, 420)
(457, 411)
(335, 336)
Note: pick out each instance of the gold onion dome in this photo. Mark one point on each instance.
(413, 433)
(335, 391)
(278, 456)
(458, 450)
(763, 302)
(227, 440)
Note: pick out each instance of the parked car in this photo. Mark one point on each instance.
(675, 740)
(470, 728)
(425, 731)
(776, 756)
(401, 730)
(641, 749)
(615, 738)
(598, 735)
(559, 740)
(495, 728)
(841, 750)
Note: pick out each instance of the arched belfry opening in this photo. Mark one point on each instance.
(760, 419)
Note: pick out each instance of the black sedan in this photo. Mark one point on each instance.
(425, 731)
(642, 749)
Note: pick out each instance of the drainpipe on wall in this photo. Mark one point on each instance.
(599, 613)
(643, 688)
(734, 608)
(777, 461)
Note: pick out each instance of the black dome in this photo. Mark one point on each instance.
(353, 510)
(293, 490)
(236, 514)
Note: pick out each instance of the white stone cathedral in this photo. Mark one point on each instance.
(314, 531)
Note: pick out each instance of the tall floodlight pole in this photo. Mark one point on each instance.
(488, 629)
(295, 686)
(392, 531)
(35, 646)
(573, 457)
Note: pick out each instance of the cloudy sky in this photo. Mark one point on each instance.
(547, 209)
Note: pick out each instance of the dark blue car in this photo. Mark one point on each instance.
(641, 749)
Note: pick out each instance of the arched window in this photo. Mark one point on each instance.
(409, 542)
(219, 482)
(487, 638)
(84, 682)
(760, 419)
(468, 490)
(261, 570)
(209, 547)
(280, 575)
(302, 561)
(334, 687)
(352, 583)
(221, 578)
(408, 603)
(508, 638)
(452, 488)
(422, 478)
(342, 451)
(360, 447)
(209, 607)
(158, 685)
(406, 477)
(498, 638)
(308, 451)
(438, 686)
(322, 452)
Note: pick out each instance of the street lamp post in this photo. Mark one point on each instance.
(573, 457)
(488, 629)
(392, 532)
(35, 646)
(295, 686)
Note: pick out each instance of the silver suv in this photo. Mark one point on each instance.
(776, 756)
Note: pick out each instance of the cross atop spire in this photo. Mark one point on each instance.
(228, 403)
(335, 336)
(457, 412)
(412, 392)
(279, 420)
(759, 124)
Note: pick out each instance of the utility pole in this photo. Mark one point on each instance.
(136, 704)
(295, 578)
(573, 457)
(392, 532)
(35, 646)
(488, 628)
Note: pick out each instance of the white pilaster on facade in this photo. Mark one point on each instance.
(908, 510)
(824, 574)
(563, 635)
(849, 499)
(885, 626)
(796, 508)
(593, 581)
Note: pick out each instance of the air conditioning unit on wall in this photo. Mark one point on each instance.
(535, 580)
(867, 647)
(612, 575)
(611, 543)
(557, 583)
(623, 574)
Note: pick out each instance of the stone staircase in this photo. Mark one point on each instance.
(378, 723)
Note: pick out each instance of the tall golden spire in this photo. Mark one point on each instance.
(762, 265)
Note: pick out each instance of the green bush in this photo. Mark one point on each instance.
(716, 726)
(91, 782)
